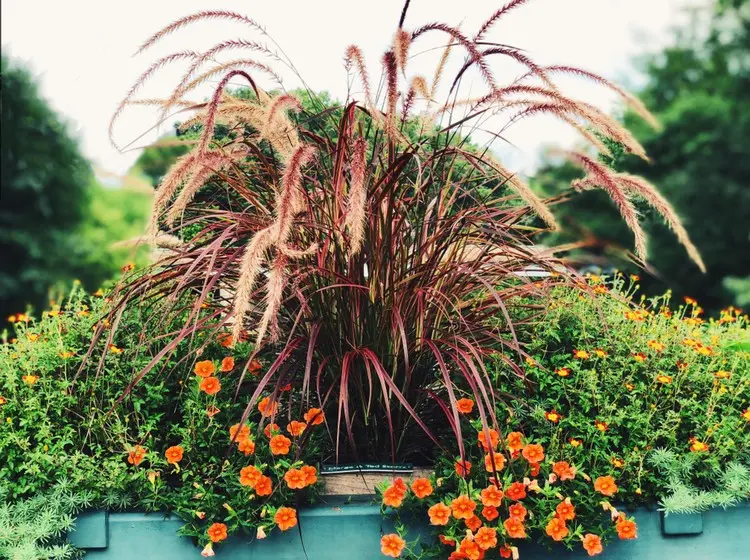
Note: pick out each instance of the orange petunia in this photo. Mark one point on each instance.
(563, 372)
(217, 532)
(473, 523)
(494, 463)
(393, 496)
(271, 429)
(421, 487)
(515, 441)
(254, 366)
(446, 541)
(490, 513)
(210, 385)
(204, 368)
(486, 538)
(565, 510)
(463, 468)
(626, 528)
(250, 476)
(285, 518)
(553, 416)
(227, 364)
(518, 511)
(605, 485)
(246, 446)
(556, 529)
(295, 479)
(225, 340)
(505, 551)
(533, 453)
(494, 439)
(439, 514)
(174, 454)
(491, 496)
(399, 483)
(467, 550)
(280, 445)
(592, 544)
(564, 471)
(516, 491)
(237, 433)
(514, 527)
(463, 507)
(136, 455)
(464, 406)
(314, 416)
(296, 428)
(311, 474)
(535, 468)
(267, 407)
(263, 487)
(212, 411)
(392, 545)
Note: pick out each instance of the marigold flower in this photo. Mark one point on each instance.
(486, 538)
(285, 518)
(490, 513)
(217, 532)
(463, 507)
(494, 439)
(553, 416)
(575, 442)
(30, 379)
(280, 445)
(210, 385)
(655, 345)
(494, 463)
(664, 379)
(629, 386)
(722, 374)
(704, 350)
(580, 354)
(295, 479)
(239, 433)
(605, 485)
(516, 491)
(530, 361)
(600, 353)
(3, 400)
(464, 406)
(697, 446)
(601, 426)
(136, 455)
(204, 368)
(174, 454)
(514, 527)
(271, 429)
(114, 349)
(626, 528)
(746, 414)
(246, 446)
(491, 496)
(556, 529)
(392, 545)
(515, 441)
(563, 470)
(264, 487)
(311, 474)
(439, 514)
(314, 416)
(421, 487)
(565, 510)
(296, 428)
(463, 468)
(563, 372)
(227, 364)
(639, 357)
(617, 463)
(267, 407)
(473, 523)
(518, 511)
(592, 544)
(533, 453)
(67, 354)
(250, 476)
(681, 365)
(393, 496)
(690, 301)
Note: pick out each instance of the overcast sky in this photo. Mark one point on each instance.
(82, 50)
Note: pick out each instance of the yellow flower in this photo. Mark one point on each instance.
(746, 414)
(634, 278)
(577, 442)
(629, 386)
(697, 446)
(602, 426)
(664, 379)
(33, 337)
(600, 353)
(655, 345)
(690, 301)
(66, 354)
(722, 374)
(99, 292)
(114, 349)
(30, 379)
(600, 289)
(530, 361)
(553, 416)
(580, 354)
(54, 313)
(618, 463)
(595, 279)
(704, 350)
(639, 357)
(563, 372)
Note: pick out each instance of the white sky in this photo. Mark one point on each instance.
(82, 49)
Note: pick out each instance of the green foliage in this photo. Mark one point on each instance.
(156, 159)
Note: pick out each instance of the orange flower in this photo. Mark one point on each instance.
(393, 496)
(690, 301)
(565, 510)
(439, 514)
(533, 453)
(212, 411)
(267, 407)
(491, 496)
(515, 441)
(311, 474)
(722, 374)
(285, 518)
(239, 433)
(254, 366)
(617, 463)
(217, 532)
(263, 487)
(505, 551)
(681, 365)
(580, 354)
(446, 541)
(605, 485)
(314, 416)
(564, 471)
(626, 528)
(250, 476)
(463, 507)
(67, 354)
(746, 414)
(392, 545)
(704, 350)
(112, 348)
(515, 529)
(3, 400)
(553, 416)
(697, 446)
(556, 529)
(473, 523)
(600, 353)
(575, 442)
(486, 538)
(174, 454)
(592, 544)
(399, 483)
(535, 467)
(516, 491)
(280, 445)
(210, 385)
(225, 340)
(494, 463)
(30, 379)
(271, 429)
(655, 345)
(463, 468)
(421, 487)
(639, 357)
(204, 369)
(629, 386)
(246, 446)
(295, 479)
(490, 513)
(227, 364)
(464, 406)
(296, 428)
(494, 439)
(563, 371)
(601, 426)
(518, 511)
(136, 455)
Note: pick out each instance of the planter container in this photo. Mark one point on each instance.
(352, 531)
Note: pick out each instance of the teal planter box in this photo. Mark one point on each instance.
(353, 531)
